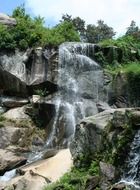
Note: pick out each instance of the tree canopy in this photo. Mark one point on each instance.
(32, 32)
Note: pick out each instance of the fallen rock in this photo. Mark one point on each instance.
(9, 160)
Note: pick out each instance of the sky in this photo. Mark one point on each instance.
(116, 13)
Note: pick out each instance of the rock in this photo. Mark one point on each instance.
(28, 72)
(9, 160)
(92, 182)
(100, 132)
(6, 20)
(102, 106)
(89, 134)
(11, 102)
(16, 114)
(135, 116)
(52, 168)
(107, 171)
(50, 153)
(118, 118)
(118, 186)
(37, 175)
(18, 88)
(15, 136)
(26, 182)
(36, 99)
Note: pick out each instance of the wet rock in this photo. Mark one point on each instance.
(9, 160)
(6, 20)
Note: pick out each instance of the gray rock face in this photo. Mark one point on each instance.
(11, 85)
(94, 135)
(28, 71)
(6, 20)
(88, 135)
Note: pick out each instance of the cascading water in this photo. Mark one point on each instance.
(131, 175)
(80, 84)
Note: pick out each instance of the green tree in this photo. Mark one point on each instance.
(77, 22)
(102, 31)
(132, 28)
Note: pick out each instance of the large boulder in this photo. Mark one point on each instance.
(9, 160)
(6, 20)
(109, 132)
(36, 175)
(88, 135)
(21, 137)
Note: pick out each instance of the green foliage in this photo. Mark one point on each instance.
(63, 32)
(94, 168)
(132, 28)
(31, 32)
(90, 33)
(129, 45)
(102, 31)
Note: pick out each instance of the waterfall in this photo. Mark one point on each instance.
(80, 82)
(131, 175)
